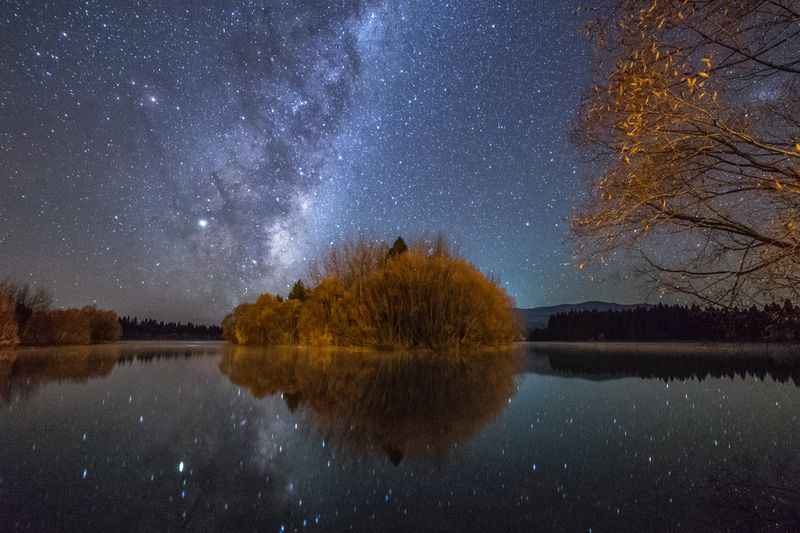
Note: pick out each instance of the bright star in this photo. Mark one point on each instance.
(202, 223)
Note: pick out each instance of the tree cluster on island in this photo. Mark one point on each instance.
(370, 294)
(26, 318)
(148, 329)
(771, 322)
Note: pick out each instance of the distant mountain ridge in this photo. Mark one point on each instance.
(536, 317)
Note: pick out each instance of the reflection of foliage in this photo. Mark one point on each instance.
(24, 370)
(695, 117)
(403, 405)
(368, 294)
(670, 361)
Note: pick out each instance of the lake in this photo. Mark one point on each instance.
(207, 436)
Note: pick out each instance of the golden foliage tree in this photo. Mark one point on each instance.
(88, 325)
(8, 322)
(694, 124)
(58, 326)
(25, 315)
(435, 301)
(330, 317)
(423, 297)
(104, 325)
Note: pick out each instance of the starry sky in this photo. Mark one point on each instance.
(172, 159)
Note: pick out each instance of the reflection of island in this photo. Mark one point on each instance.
(402, 405)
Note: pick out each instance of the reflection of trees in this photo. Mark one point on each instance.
(668, 368)
(403, 405)
(23, 371)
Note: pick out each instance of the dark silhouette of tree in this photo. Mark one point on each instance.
(27, 300)
(298, 291)
(398, 248)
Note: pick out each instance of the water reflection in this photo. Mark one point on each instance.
(24, 371)
(151, 437)
(600, 365)
(397, 404)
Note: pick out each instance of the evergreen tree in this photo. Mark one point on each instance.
(298, 291)
(398, 248)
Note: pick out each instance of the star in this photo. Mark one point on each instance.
(289, 130)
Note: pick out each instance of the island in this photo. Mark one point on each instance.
(371, 295)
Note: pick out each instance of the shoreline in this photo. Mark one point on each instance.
(670, 349)
(118, 349)
(780, 353)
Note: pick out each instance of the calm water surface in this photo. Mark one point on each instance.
(151, 437)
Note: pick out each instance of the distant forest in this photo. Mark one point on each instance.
(149, 329)
(772, 322)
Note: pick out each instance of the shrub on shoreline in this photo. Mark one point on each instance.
(25, 318)
(8, 322)
(87, 325)
(372, 295)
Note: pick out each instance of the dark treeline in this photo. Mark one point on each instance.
(772, 322)
(149, 329)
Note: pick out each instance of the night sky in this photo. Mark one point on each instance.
(171, 160)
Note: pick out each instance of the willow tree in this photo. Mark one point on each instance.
(694, 127)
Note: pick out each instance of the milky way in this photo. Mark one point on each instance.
(171, 160)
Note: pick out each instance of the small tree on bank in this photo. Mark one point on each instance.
(8, 322)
